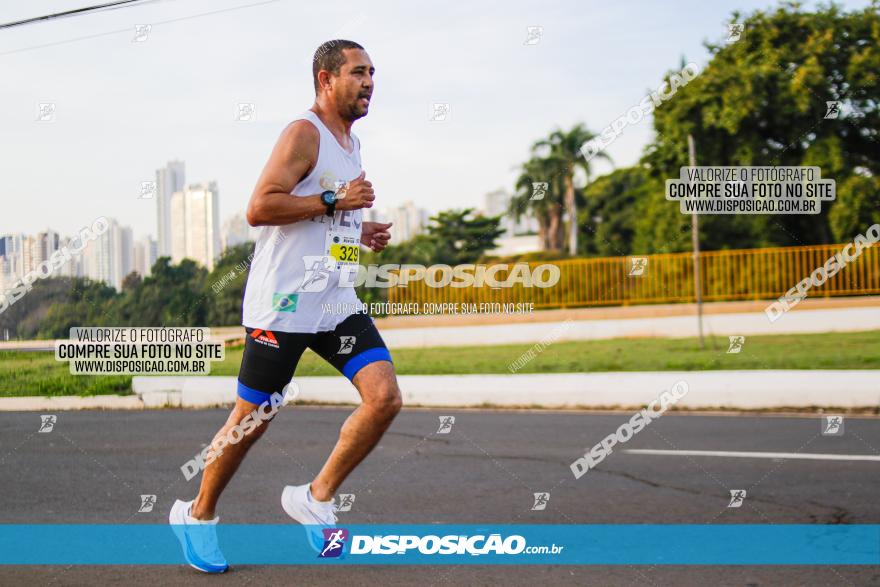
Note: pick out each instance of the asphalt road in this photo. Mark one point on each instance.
(93, 467)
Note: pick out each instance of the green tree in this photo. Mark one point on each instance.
(224, 286)
(422, 249)
(173, 295)
(24, 318)
(610, 214)
(89, 303)
(857, 207)
(453, 237)
(462, 237)
(547, 209)
(762, 101)
(132, 281)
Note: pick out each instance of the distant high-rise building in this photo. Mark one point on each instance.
(497, 203)
(169, 179)
(28, 255)
(74, 267)
(5, 262)
(236, 230)
(12, 253)
(372, 215)
(45, 244)
(519, 236)
(126, 251)
(195, 224)
(408, 221)
(108, 258)
(93, 256)
(144, 256)
(7, 277)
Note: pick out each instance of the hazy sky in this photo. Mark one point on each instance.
(125, 108)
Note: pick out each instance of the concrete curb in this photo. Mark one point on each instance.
(735, 390)
(71, 402)
(756, 389)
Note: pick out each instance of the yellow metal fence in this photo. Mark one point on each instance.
(725, 275)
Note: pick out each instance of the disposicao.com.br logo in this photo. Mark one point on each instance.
(338, 543)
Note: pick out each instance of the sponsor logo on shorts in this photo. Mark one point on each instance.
(265, 337)
(284, 302)
(346, 344)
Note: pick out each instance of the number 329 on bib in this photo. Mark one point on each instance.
(343, 248)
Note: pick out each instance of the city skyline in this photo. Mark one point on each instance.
(408, 218)
(194, 232)
(187, 225)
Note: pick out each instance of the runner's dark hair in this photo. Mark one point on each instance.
(330, 57)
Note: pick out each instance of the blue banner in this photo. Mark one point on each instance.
(607, 544)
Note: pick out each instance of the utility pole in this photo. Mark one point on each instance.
(695, 241)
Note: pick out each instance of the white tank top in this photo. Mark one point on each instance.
(291, 280)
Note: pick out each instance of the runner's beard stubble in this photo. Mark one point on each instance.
(355, 111)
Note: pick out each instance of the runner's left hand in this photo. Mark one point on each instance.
(375, 235)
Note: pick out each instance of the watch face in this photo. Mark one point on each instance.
(328, 197)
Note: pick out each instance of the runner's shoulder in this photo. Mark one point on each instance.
(302, 137)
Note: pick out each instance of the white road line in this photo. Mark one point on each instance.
(754, 455)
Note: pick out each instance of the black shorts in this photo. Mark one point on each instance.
(270, 356)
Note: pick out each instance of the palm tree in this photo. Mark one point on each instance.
(564, 152)
(547, 209)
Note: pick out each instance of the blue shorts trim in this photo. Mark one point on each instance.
(254, 396)
(358, 362)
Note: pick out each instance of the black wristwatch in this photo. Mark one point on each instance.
(328, 198)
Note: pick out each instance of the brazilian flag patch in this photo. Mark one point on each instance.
(284, 302)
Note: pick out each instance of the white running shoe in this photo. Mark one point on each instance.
(299, 504)
(198, 538)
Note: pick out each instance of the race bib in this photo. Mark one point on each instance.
(343, 248)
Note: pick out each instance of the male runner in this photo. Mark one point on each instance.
(308, 204)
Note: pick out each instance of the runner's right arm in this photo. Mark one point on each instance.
(292, 159)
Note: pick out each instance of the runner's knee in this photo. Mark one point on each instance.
(244, 426)
(386, 398)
